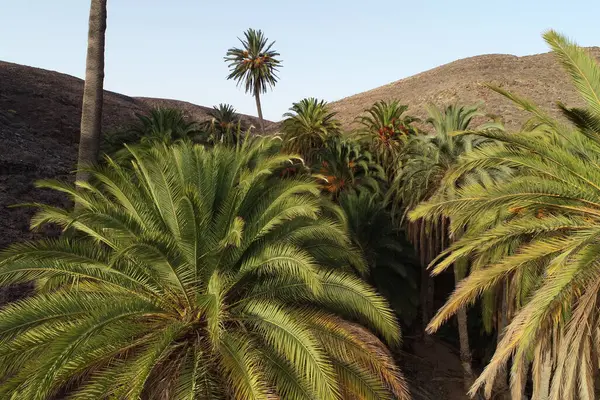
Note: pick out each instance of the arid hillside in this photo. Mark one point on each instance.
(539, 78)
(39, 129)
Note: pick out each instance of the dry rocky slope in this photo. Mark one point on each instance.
(538, 77)
(39, 130)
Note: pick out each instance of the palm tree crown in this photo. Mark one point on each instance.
(161, 125)
(255, 65)
(344, 166)
(387, 128)
(201, 276)
(224, 126)
(223, 117)
(307, 126)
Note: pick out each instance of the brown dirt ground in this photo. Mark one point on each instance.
(433, 371)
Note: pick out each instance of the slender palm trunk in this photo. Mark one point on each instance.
(460, 270)
(426, 283)
(541, 382)
(91, 113)
(465, 349)
(423, 247)
(259, 110)
(501, 384)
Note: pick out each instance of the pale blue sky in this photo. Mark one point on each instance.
(330, 49)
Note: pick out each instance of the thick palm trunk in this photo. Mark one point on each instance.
(259, 110)
(91, 113)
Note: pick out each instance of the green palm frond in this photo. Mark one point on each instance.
(161, 125)
(224, 126)
(307, 126)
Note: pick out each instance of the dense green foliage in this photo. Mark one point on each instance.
(344, 166)
(202, 275)
(386, 129)
(161, 125)
(224, 126)
(307, 126)
(389, 256)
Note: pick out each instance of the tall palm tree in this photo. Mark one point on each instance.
(255, 65)
(198, 275)
(91, 111)
(307, 126)
(386, 129)
(550, 214)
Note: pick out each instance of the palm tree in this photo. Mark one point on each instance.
(223, 117)
(164, 125)
(91, 112)
(161, 125)
(390, 257)
(386, 129)
(342, 165)
(307, 126)
(224, 125)
(198, 275)
(549, 214)
(255, 66)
